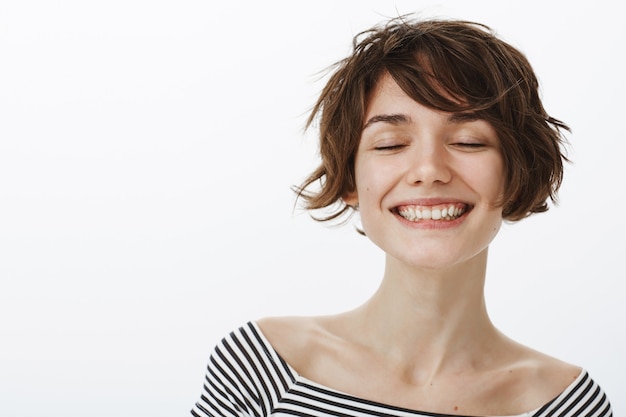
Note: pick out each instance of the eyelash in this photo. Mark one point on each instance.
(388, 147)
(468, 145)
(471, 144)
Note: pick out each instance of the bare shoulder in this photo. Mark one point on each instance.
(539, 377)
(296, 339)
(550, 369)
(561, 373)
(283, 332)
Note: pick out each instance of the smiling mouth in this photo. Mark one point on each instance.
(442, 212)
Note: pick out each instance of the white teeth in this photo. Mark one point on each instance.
(448, 212)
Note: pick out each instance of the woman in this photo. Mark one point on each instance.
(434, 132)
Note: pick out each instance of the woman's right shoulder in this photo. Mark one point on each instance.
(294, 338)
(290, 332)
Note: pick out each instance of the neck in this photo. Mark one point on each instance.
(434, 320)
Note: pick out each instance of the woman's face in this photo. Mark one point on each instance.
(427, 182)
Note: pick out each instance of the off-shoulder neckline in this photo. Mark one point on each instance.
(327, 389)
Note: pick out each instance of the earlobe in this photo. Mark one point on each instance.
(351, 199)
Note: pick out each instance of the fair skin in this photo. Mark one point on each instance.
(427, 186)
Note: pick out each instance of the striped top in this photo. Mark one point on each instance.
(246, 377)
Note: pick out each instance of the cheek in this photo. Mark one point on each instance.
(363, 182)
(491, 179)
(499, 179)
(372, 184)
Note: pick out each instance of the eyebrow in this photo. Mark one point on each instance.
(462, 117)
(394, 119)
(399, 118)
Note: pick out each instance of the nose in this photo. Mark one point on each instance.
(428, 165)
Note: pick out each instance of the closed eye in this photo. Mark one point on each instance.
(389, 147)
(470, 145)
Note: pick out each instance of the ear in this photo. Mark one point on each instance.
(351, 198)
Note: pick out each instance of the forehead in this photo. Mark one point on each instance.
(388, 98)
(385, 94)
(386, 84)
(424, 89)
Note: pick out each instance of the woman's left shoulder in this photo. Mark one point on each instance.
(555, 373)
(540, 373)
(580, 396)
(556, 385)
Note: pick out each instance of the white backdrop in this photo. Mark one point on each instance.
(147, 149)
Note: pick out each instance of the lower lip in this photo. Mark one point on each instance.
(433, 224)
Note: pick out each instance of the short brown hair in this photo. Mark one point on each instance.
(451, 66)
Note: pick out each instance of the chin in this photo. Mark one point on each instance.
(437, 259)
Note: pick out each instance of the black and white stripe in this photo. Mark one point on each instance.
(246, 377)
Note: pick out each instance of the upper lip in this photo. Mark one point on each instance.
(431, 201)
